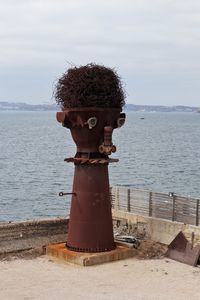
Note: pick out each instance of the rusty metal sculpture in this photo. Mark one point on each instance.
(91, 98)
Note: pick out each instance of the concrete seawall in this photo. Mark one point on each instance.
(31, 235)
(158, 230)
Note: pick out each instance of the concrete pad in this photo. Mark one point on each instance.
(59, 251)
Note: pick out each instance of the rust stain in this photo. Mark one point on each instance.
(60, 252)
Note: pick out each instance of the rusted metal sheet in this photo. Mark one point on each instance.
(180, 249)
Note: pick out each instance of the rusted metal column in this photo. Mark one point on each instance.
(90, 224)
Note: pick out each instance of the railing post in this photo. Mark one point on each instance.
(197, 212)
(129, 200)
(150, 204)
(111, 197)
(117, 204)
(173, 207)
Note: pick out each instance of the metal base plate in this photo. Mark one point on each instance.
(62, 253)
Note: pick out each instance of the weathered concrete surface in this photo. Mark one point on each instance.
(59, 251)
(25, 236)
(131, 279)
(158, 230)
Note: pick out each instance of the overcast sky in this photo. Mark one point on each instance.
(154, 46)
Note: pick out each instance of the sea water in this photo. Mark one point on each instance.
(157, 152)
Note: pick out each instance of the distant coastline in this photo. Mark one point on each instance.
(8, 106)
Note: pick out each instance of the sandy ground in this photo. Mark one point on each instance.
(44, 279)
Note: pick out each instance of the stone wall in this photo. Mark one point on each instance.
(158, 230)
(28, 235)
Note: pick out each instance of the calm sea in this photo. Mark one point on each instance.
(157, 151)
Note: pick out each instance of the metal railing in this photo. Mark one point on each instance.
(159, 205)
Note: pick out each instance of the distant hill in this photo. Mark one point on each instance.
(160, 108)
(27, 107)
(129, 107)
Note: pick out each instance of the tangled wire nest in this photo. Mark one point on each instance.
(90, 86)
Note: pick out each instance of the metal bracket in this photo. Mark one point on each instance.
(61, 194)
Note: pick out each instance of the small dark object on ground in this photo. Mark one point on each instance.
(127, 240)
(91, 85)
